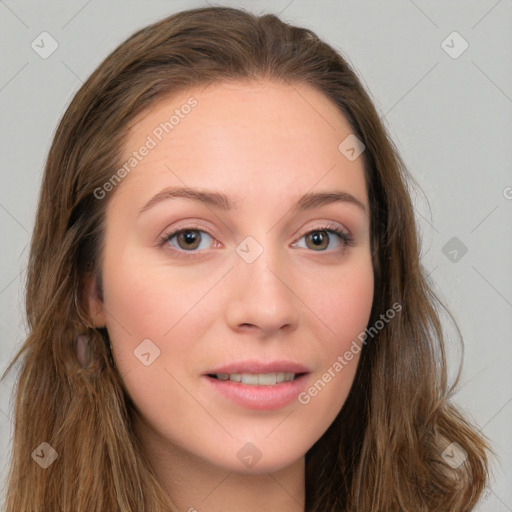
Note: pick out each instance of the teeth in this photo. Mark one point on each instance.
(255, 379)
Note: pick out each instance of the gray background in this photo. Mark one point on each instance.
(450, 118)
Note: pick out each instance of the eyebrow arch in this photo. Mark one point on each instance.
(316, 199)
(218, 200)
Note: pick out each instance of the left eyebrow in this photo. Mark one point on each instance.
(219, 200)
(316, 199)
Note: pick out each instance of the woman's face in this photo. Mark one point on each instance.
(220, 258)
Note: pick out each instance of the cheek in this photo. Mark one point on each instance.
(350, 306)
(344, 303)
(152, 335)
(147, 299)
(344, 308)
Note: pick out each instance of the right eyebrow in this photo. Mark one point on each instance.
(215, 199)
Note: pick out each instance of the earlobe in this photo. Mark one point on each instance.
(94, 301)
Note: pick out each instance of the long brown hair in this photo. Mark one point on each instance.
(383, 452)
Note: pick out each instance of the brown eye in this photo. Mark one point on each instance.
(318, 239)
(188, 239)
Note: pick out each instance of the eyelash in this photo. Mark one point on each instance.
(344, 237)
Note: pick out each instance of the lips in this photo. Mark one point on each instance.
(247, 390)
(259, 367)
(256, 384)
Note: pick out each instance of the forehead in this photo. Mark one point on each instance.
(248, 102)
(242, 137)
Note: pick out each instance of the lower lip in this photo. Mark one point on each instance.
(263, 398)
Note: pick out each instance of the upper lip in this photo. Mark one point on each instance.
(254, 366)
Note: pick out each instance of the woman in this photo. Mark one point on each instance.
(226, 304)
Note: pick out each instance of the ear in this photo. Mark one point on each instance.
(94, 300)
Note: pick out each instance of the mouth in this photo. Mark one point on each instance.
(258, 384)
(258, 379)
(259, 391)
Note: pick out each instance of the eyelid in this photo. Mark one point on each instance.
(326, 225)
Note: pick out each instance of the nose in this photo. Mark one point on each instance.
(261, 296)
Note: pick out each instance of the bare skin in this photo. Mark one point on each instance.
(263, 145)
